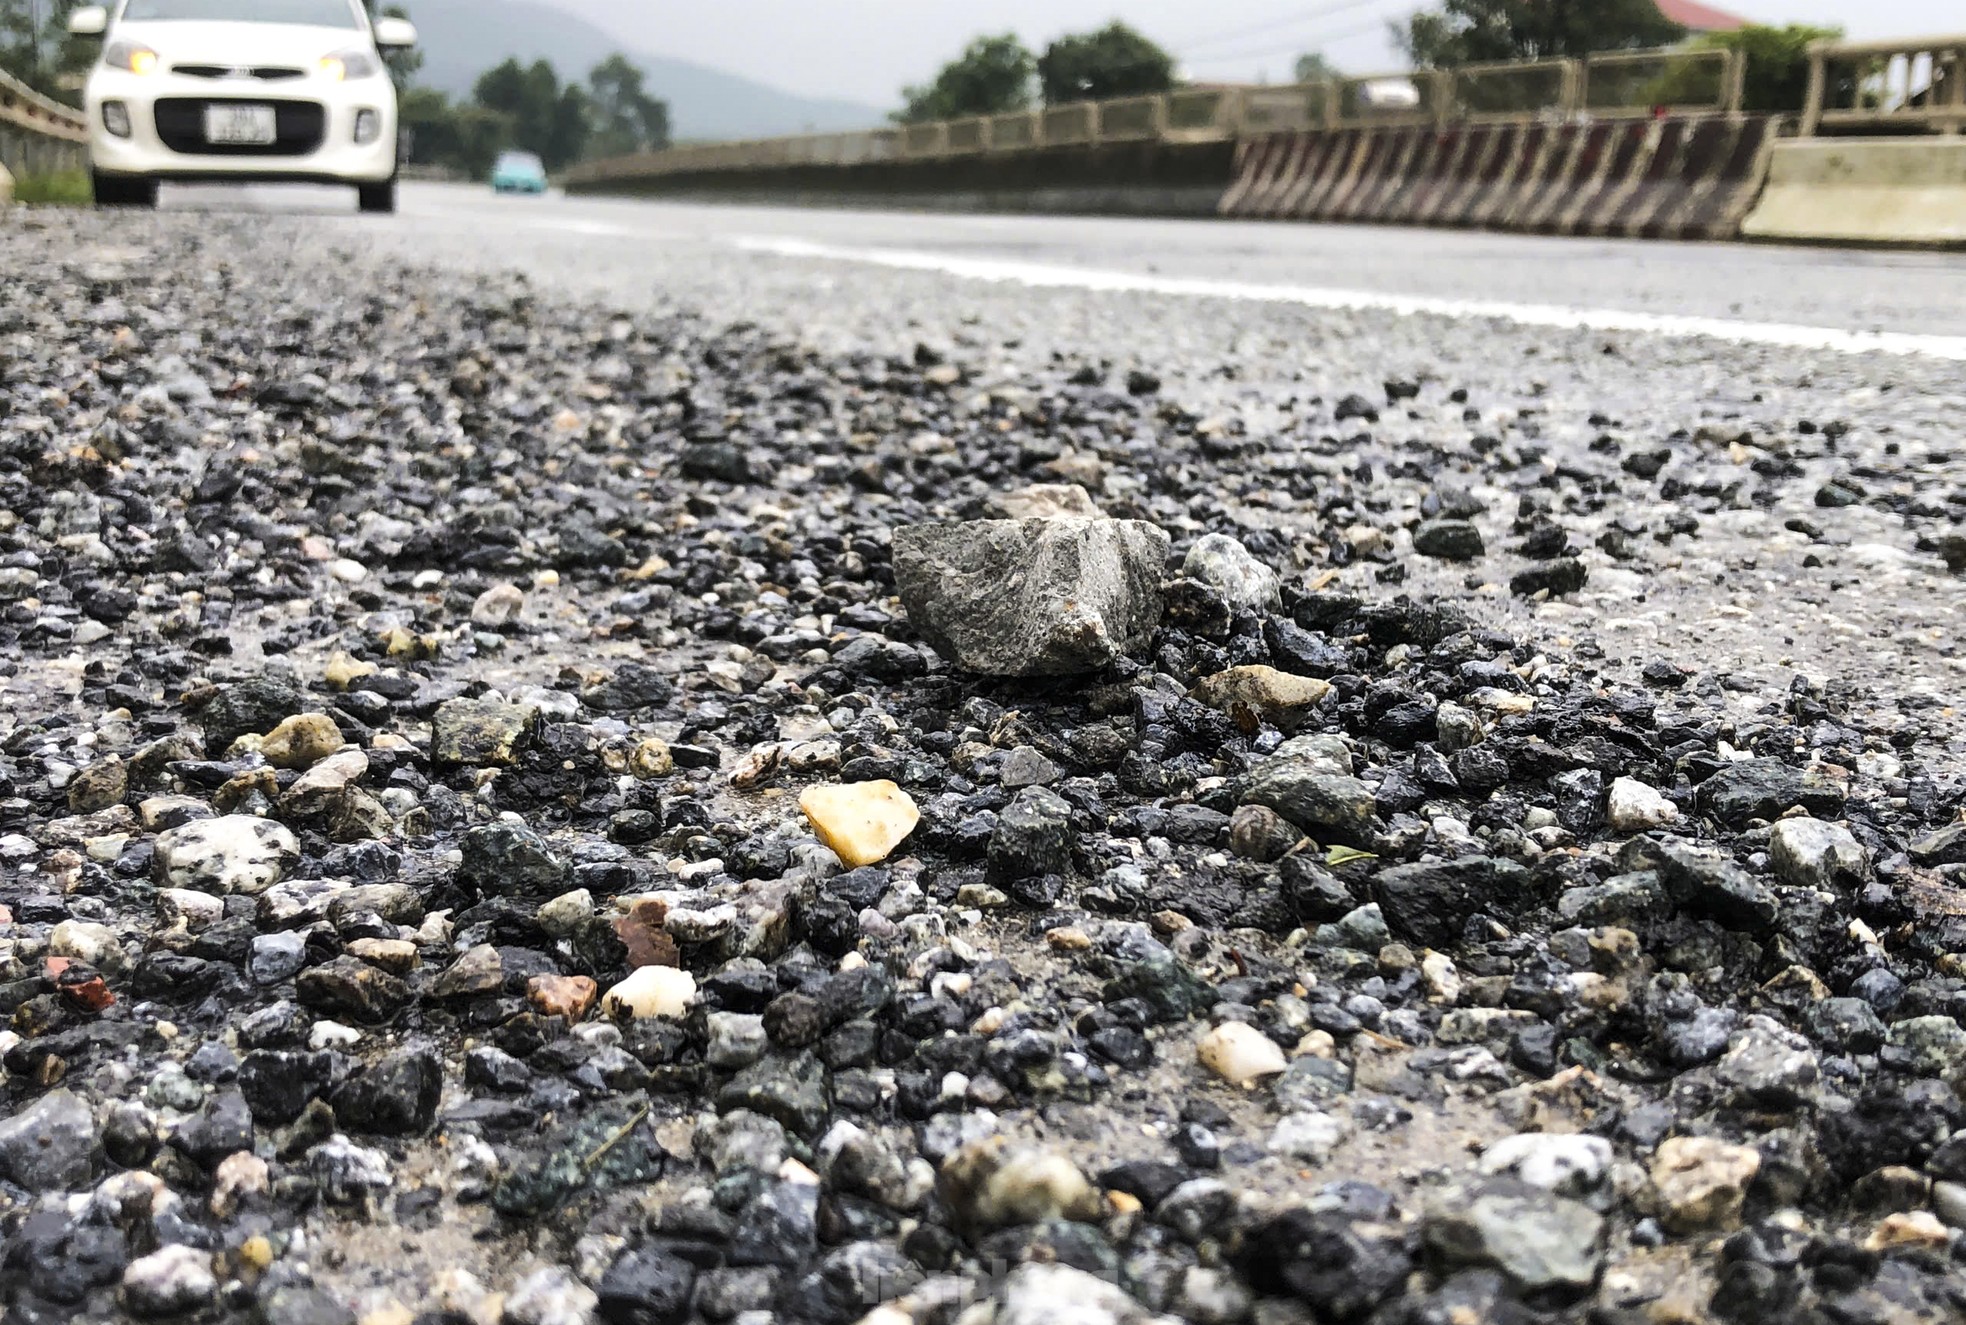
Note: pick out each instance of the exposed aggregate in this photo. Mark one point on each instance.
(407, 913)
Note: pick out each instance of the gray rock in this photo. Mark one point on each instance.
(1448, 540)
(737, 1039)
(1568, 1165)
(234, 854)
(1033, 837)
(1225, 565)
(1768, 1066)
(277, 957)
(550, 1297)
(1046, 501)
(347, 1172)
(791, 1091)
(1766, 789)
(253, 707)
(1936, 1046)
(1847, 1025)
(1061, 1295)
(860, 1163)
(51, 1145)
(1809, 853)
(169, 1282)
(506, 857)
(478, 733)
(1431, 901)
(1706, 883)
(1026, 766)
(1032, 597)
(1548, 1246)
(303, 1304)
(1945, 847)
(1331, 807)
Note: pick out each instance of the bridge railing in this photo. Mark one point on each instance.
(1511, 91)
(1682, 81)
(1623, 84)
(39, 136)
(1917, 85)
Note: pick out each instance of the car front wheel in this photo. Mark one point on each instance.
(377, 199)
(122, 191)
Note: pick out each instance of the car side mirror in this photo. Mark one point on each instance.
(88, 21)
(395, 34)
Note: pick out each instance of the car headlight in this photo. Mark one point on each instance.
(351, 64)
(131, 55)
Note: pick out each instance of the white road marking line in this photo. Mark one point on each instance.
(1779, 334)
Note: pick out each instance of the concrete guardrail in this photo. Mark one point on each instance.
(1638, 142)
(1666, 178)
(38, 136)
(1603, 87)
(1880, 159)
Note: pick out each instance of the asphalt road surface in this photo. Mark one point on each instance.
(410, 625)
(1912, 293)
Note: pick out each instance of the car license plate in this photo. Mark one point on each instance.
(240, 126)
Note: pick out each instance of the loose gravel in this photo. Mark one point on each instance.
(482, 840)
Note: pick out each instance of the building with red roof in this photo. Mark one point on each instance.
(1696, 17)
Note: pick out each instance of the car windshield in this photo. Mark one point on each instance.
(518, 161)
(313, 13)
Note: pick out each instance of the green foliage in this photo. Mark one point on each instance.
(1479, 31)
(991, 77)
(464, 138)
(1778, 65)
(527, 106)
(1113, 62)
(545, 118)
(70, 188)
(1314, 68)
(626, 118)
(35, 47)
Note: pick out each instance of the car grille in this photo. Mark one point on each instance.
(265, 73)
(300, 125)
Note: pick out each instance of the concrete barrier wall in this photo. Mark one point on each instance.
(1144, 178)
(1887, 191)
(38, 136)
(1668, 178)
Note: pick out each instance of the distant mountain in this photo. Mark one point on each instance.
(463, 38)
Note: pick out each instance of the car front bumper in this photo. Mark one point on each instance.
(316, 121)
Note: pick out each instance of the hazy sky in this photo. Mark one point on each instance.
(865, 50)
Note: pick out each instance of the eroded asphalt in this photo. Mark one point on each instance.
(413, 629)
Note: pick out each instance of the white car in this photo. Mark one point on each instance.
(241, 91)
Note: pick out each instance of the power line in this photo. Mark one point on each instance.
(1311, 15)
(1295, 48)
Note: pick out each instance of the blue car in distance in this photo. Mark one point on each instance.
(518, 172)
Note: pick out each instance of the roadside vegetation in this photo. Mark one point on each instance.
(68, 188)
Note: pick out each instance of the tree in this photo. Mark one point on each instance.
(463, 138)
(1113, 62)
(530, 96)
(36, 48)
(1314, 68)
(573, 124)
(625, 117)
(1777, 74)
(1477, 31)
(991, 77)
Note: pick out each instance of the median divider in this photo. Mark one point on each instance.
(38, 136)
(1898, 192)
(1692, 178)
(1147, 177)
